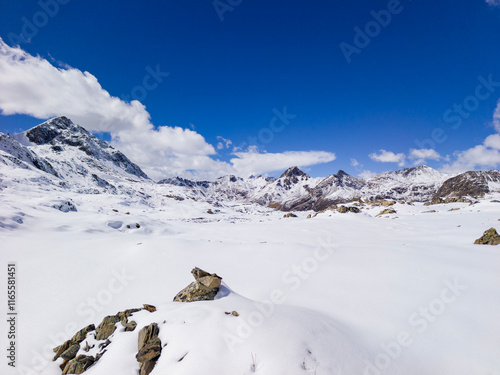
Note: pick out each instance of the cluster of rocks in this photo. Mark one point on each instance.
(341, 209)
(438, 200)
(345, 209)
(387, 211)
(75, 363)
(489, 237)
(204, 288)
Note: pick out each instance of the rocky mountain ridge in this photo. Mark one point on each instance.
(64, 155)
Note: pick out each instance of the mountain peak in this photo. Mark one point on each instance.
(294, 172)
(60, 133)
(61, 128)
(341, 173)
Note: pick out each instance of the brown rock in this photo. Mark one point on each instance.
(489, 237)
(149, 351)
(149, 345)
(71, 352)
(61, 349)
(129, 326)
(149, 308)
(387, 211)
(107, 327)
(82, 334)
(342, 209)
(205, 288)
(78, 365)
(148, 333)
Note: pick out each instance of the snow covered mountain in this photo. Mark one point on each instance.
(60, 154)
(295, 190)
(72, 156)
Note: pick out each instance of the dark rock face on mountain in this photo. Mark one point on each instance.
(292, 176)
(61, 132)
(472, 183)
(18, 154)
(179, 181)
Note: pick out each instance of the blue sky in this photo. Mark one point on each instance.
(272, 77)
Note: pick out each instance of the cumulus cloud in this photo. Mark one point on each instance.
(420, 156)
(223, 143)
(486, 155)
(493, 2)
(366, 174)
(496, 117)
(31, 85)
(252, 163)
(384, 156)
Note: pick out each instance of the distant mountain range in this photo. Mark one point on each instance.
(61, 155)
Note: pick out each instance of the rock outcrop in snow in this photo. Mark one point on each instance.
(186, 337)
(204, 288)
(472, 183)
(489, 237)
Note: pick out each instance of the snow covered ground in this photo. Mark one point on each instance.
(406, 293)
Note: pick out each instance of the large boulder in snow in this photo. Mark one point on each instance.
(489, 237)
(149, 346)
(205, 288)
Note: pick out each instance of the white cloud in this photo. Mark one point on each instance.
(493, 2)
(31, 85)
(384, 156)
(252, 163)
(496, 115)
(486, 155)
(424, 153)
(354, 162)
(366, 174)
(419, 156)
(223, 143)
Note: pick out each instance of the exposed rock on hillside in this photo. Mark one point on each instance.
(72, 351)
(61, 132)
(472, 183)
(387, 211)
(205, 288)
(489, 237)
(149, 348)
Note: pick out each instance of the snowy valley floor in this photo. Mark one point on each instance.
(404, 294)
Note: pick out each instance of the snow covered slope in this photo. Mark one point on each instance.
(336, 294)
(78, 159)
